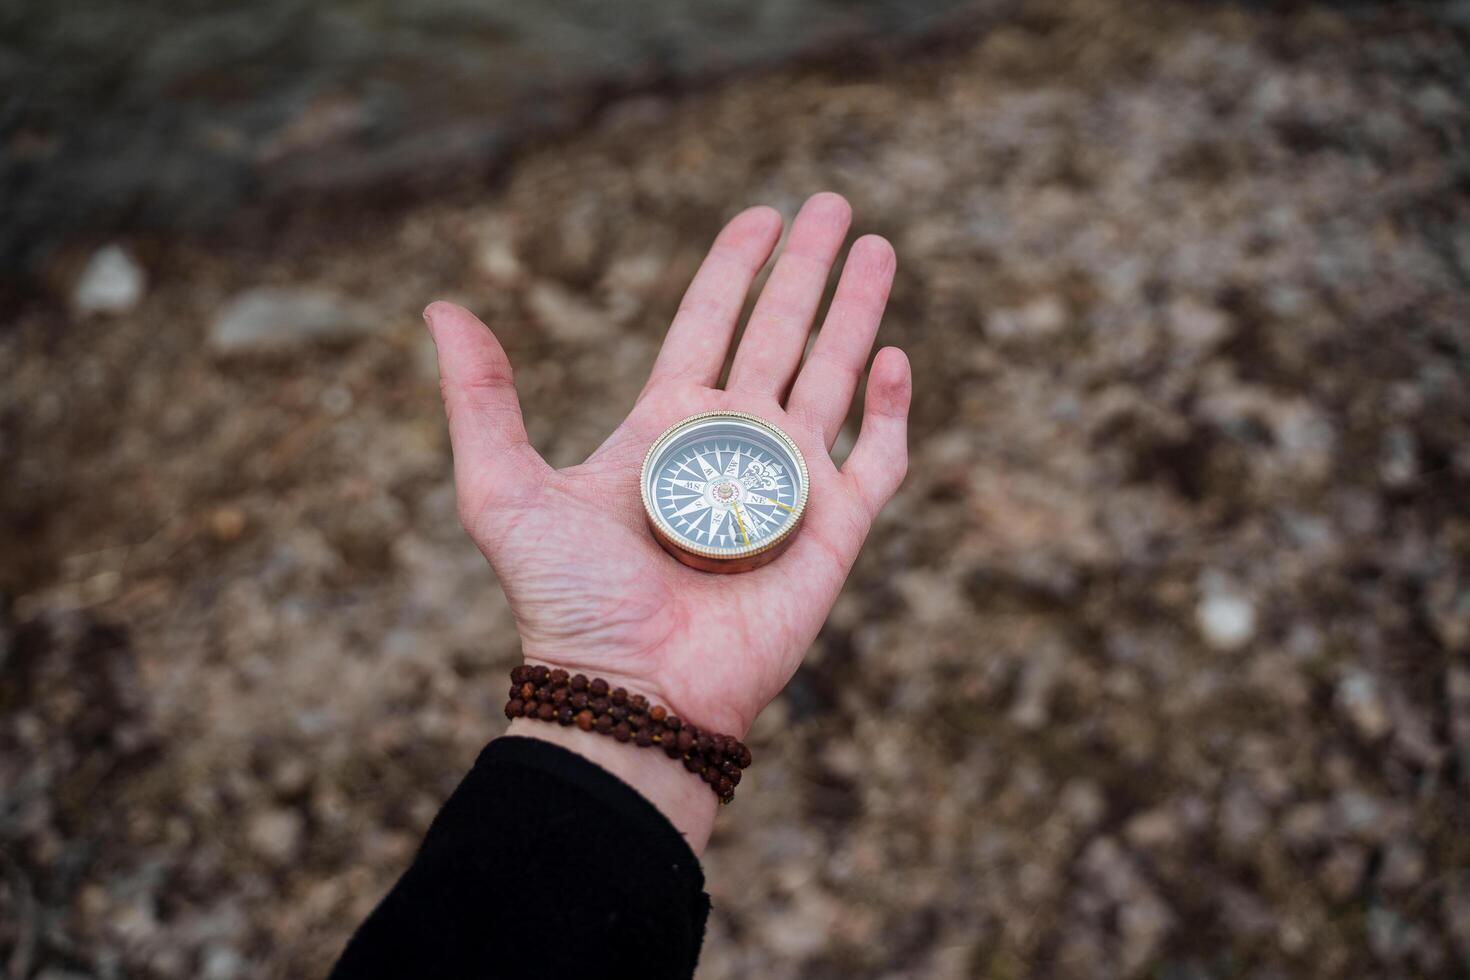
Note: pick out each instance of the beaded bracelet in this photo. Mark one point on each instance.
(543, 694)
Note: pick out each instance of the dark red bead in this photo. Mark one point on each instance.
(598, 687)
(734, 777)
(622, 732)
(546, 712)
(643, 737)
(671, 750)
(693, 763)
(543, 694)
(684, 740)
(604, 724)
(705, 744)
(674, 723)
(540, 674)
(709, 774)
(742, 755)
(599, 705)
(638, 721)
(564, 714)
(519, 675)
(638, 702)
(724, 786)
(620, 695)
(579, 682)
(578, 700)
(514, 708)
(559, 695)
(618, 712)
(559, 678)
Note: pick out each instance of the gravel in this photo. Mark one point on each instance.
(1155, 667)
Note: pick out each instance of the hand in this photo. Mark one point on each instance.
(590, 589)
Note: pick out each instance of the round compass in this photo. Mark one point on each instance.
(724, 491)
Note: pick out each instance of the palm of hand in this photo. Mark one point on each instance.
(590, 589)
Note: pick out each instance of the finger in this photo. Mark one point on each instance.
(776, 335)
(824, 388)
(493, 459)
(879, 459)
(699, 337)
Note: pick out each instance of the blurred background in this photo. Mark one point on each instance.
(1158, 666)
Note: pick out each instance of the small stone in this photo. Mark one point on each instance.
(1083, 803)
(112, 282)
(1243, 818)
(1195, 326)
(276, 835)
(222, 963)
(1386, 933)
(1153, 829)
(271, 319)
(1039, 677)
(1041, 318)
(1306, 825)
(1226, 620)
(1343, 871)
(1403, 866)
(291, 776)
(226, 523)
(566, 316)
(1455, 912)
(1144, 923)
(1358, 699)
(1398, 458)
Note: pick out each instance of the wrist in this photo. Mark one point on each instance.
(716, 716)
(679, 795)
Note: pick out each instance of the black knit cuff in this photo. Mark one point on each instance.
(657, 834)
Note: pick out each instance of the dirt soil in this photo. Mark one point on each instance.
(1159, 665)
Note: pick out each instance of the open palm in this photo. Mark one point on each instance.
(590, 589)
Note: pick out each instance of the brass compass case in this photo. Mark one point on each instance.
(724, 491)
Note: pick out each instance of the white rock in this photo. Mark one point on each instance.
(112, 282)
(222, 963)
(1227, 621)
(274, 319)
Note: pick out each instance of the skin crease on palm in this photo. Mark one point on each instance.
(590, 589)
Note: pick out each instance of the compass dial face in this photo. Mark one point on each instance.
(724, 486)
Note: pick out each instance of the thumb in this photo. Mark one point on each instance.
(494, 462)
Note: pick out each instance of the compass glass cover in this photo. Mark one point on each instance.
(725, 485)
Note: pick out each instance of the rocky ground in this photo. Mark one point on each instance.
(1158, 666)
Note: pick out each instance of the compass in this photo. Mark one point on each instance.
(724, 491)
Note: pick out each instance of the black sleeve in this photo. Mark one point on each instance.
(542, 864)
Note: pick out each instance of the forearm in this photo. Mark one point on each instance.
(680, 796)
(540, 864)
